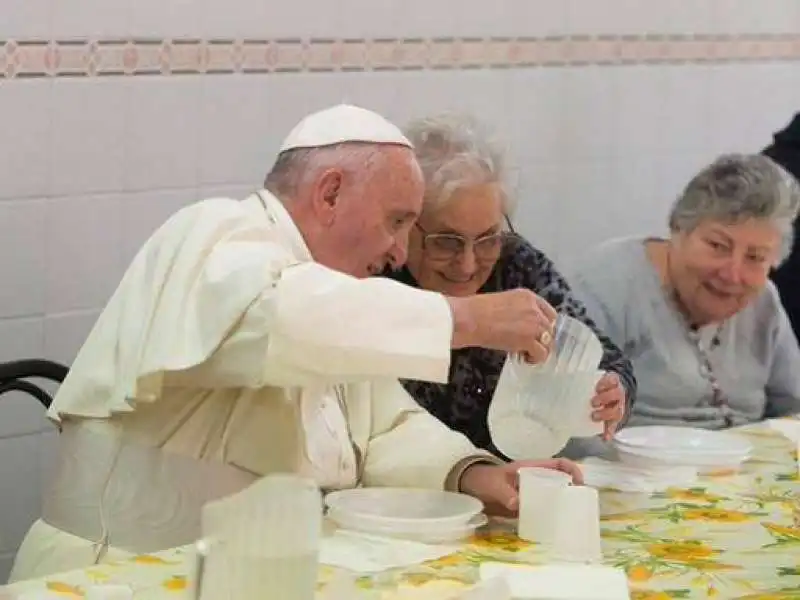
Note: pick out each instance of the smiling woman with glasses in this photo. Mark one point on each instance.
(464, 244)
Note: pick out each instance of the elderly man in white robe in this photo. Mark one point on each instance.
(246, 338)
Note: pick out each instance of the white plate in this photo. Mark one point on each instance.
(647, 462)
(682, 439)
(418, 533)
(401, 507)
(669, 457)
(676, 453)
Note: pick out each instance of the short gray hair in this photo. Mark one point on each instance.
(454, 152)
(294, 167)
(735, 188)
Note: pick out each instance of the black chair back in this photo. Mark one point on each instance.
(14, 376)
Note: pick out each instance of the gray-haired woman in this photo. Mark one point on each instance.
(462, 245)
(705, 330)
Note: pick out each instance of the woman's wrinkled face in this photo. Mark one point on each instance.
(453, 249)
(719, 268)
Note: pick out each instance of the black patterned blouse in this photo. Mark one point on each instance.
(463, 403)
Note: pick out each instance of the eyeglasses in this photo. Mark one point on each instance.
(448, 246)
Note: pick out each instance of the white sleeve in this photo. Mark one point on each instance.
(310, 323)
(409, 447)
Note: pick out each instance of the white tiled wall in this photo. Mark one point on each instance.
(89, 166)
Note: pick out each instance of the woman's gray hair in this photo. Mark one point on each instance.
(736, 188)
(455, 152)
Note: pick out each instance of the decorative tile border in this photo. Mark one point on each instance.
(119, 57)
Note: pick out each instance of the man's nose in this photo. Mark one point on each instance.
(398, 253)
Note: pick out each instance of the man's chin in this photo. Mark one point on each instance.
(375, 270)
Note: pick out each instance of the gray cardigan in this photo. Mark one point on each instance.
(757, 362)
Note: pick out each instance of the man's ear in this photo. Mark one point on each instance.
(326, 196)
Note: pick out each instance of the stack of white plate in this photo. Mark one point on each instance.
(414, 514)
(658, 446)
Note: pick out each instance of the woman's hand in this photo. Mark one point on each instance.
(609, 403)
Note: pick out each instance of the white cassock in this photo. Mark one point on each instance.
(226, 354)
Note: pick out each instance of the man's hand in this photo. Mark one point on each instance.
(515, 321)
(497, 486)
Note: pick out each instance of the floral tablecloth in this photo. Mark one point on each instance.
(729, 536)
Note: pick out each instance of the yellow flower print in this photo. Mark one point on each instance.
(693, 495)
(793, 532)
(499, 541)
(422, 579)
(418, 579)
(783, 534)
(639, 573)
(652, 595)
(451, 560)
(70, 591)
(693, 554)
(149, 559)
(717, 515)
(718, 473)
(175, 584)
(633, 515)
(688, 551)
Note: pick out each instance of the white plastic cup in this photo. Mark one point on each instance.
(538, 492)
(576, 525)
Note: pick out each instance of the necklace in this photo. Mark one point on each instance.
(718, 397)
